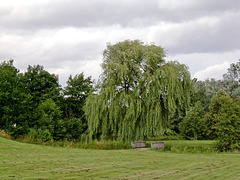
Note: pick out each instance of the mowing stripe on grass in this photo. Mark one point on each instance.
(28, 161)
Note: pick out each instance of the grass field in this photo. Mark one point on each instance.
(29, 161)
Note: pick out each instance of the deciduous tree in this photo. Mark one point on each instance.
(223, 120)
(232, 80)
(75, 94)
(192, 125)
(13, 100)
(137, 93)
(40, 85)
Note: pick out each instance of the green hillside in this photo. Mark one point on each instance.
(28, 161)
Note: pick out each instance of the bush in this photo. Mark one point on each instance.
(192, 126)
(39, 135)
(189, 147)
(18, 131)
(33, 134)
(225, 124)
(226, 144)
(166, 137)
(168, 134)
(74, 128)
(107, 144)
(5, 134)
(45, 135)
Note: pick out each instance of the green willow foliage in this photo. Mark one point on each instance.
(137, 93)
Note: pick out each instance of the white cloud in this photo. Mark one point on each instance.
(199, 61)
(215, 72)
(16, 3)
(89, 68)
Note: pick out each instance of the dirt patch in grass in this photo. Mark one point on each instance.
(142, 149)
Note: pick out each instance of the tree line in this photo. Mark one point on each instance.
(215, 110)
(34, 103)
(138, 96)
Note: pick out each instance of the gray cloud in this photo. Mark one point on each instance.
(68, 37)
(79, 14)
(107, 12)
(207, 34)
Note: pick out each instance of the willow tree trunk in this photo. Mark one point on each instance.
(195, 135)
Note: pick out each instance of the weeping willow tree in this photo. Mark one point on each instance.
(137, 92)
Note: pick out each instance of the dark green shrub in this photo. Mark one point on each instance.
(18, 131)
(224, 121)
(192, 126)
(44, 135)
(227, 144)
(107, 144)
(189, 147)
(75, 127)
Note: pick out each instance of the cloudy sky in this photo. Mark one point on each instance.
(69, 36)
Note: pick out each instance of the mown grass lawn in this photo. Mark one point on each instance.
(28, 161)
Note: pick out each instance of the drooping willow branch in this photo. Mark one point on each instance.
(138, 91)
